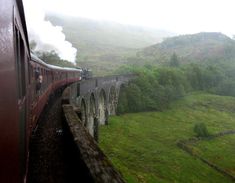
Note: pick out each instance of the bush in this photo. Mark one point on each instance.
(201, 130)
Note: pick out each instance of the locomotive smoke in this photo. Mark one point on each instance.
(47, 36)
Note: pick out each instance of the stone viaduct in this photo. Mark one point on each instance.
(95, 99)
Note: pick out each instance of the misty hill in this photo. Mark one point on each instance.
(100, 33)
(102, 42)
(201, 47)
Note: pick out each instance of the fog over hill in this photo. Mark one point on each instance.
(104, 46)
(102, 42)
(79, 30)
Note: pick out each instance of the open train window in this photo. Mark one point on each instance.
(20, 63)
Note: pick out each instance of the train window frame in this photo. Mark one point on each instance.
(20, 63)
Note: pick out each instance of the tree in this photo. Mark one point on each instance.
(53, 58)
(122, 106)
(201, 130)
(134, 96)
(174, 61)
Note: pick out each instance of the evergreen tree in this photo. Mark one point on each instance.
(174, 61)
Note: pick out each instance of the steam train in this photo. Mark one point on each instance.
(26, 83)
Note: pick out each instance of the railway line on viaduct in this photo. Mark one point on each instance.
(64, 145)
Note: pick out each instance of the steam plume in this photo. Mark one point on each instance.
(46, 36)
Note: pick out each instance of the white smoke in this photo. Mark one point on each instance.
(47, 36)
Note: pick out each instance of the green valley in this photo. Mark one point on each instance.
(143, 146)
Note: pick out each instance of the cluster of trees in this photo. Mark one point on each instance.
(153, 89)
(50, 57)
(218, 79)
(53, 58)
(156, 87)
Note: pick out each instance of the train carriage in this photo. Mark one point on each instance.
(26, 83)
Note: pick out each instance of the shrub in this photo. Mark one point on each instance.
(201, 130)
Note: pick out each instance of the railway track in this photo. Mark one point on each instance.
(53, 156)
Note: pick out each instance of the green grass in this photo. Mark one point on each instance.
(219, 151)
(143, 145)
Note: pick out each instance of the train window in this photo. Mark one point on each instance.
(50, 76)
(20, 63)
(43, 82)
(37, 73)
(43, 76)
(39, 79)
(46, 77)
(42, 86)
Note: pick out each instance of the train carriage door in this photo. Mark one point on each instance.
(20, 58)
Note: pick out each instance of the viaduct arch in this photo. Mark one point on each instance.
(95, 99)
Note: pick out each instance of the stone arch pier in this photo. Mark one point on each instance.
(95, 99)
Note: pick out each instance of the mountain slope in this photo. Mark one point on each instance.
(83, 30)
(100, 43)
(199, 47)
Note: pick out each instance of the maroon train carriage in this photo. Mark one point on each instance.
(52, 78)
(25, 85)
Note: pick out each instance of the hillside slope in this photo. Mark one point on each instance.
(100, 42)
(105, 46)
(201, 47)
(100, 33)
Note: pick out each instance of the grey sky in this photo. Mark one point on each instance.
(181, 16)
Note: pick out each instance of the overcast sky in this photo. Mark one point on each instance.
(179, 16)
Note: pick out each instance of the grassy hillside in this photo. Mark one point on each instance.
(103, 46)
(224, 156)
(201, 47)
(143, 146)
